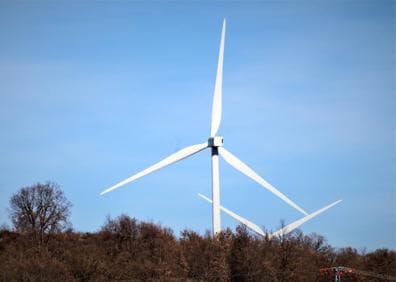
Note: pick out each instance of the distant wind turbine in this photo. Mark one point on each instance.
(283, 231)
(215, 143)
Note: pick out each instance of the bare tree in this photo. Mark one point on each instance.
(40, 209)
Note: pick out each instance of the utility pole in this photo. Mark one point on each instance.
(339, 271)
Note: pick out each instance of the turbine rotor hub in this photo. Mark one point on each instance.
(216, 141)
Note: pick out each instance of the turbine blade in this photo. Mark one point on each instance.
(216, 107)
(183, 153)
(242, 167)
(239, 218)
(290, 227)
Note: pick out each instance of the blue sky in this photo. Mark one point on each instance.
(92, 92)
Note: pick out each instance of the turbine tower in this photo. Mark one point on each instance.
(215, 144)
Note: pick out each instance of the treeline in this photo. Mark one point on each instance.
(41, 246)
(129, 250)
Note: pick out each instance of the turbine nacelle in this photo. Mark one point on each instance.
(216, 141)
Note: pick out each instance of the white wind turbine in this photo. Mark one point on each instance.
(215, 143)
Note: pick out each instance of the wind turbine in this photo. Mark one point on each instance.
(215, 144)
(283, 231)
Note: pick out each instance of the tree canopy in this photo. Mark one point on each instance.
(40, 209)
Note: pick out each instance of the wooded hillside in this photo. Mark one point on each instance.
(43, 247)
(127, 249)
